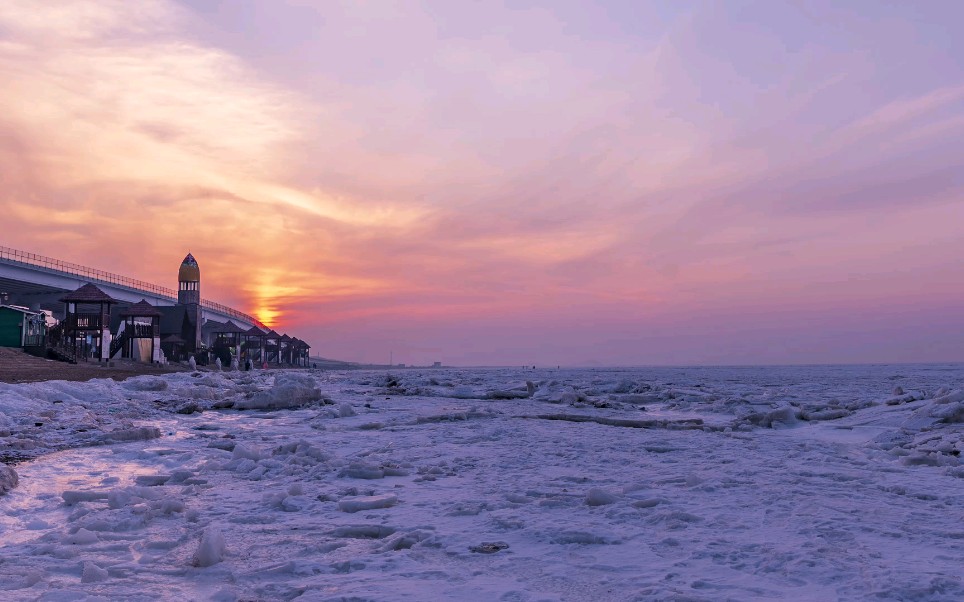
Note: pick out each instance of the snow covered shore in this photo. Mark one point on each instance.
(803, 483)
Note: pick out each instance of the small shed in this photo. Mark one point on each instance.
(21, 327)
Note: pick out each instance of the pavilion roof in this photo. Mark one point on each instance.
(173, 338)
(212, 326)
(272, 334)
(254, 331)
(285, 338)
(141, 309)
(229, 327)
(88, 294)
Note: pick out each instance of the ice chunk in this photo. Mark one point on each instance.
(8, 478)
(362, 470)
(783, 416)
(73, 497)
(145, 383)
(372, 502)
(81, 537)
(152, 480)
(599, 497)
(211, 549)
(142, 433)
(242, 451)
(291, 390)
(93, 573)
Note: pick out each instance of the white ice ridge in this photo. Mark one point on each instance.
(804, 483)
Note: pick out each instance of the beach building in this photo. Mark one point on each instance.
(86, 326)
(147, 333)
(22, 327)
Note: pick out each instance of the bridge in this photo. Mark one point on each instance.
(38, 282)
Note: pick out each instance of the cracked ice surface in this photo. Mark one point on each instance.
(804, 483)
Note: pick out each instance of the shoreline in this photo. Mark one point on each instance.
(18, 367)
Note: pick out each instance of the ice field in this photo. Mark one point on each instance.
(797, 483)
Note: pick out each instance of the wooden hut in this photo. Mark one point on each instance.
(252, 345)
(284, 349)
(272, 347)
(226, 343)
(87, 322)
(139, 338)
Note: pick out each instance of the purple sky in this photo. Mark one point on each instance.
(525, 182)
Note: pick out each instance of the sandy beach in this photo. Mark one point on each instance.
(19, 367)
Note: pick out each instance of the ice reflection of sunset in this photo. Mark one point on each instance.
(623, 182)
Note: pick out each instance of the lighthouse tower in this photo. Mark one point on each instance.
(189, 296)
(189, 282)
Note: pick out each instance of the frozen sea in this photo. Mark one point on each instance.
(767, 483)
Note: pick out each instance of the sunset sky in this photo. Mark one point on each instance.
(507, 183)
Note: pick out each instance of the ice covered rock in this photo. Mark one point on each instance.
(600, 497)
(371, 502)
(218, 365)
(345, 410)
(192, 363)
(211, 549)
(8, 478)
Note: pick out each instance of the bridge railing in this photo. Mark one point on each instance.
(93, 274)
(80, 270)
